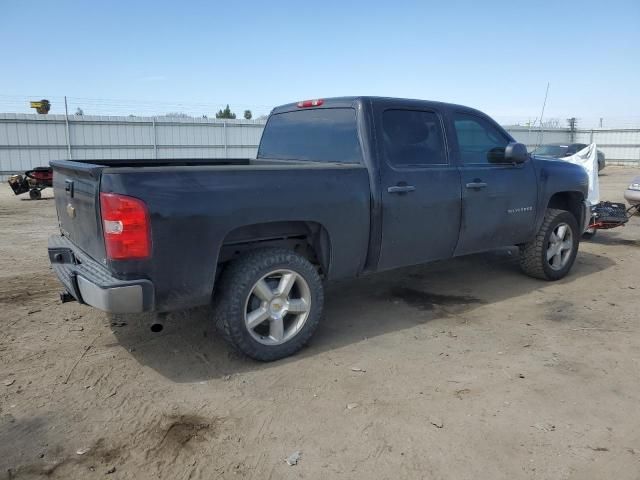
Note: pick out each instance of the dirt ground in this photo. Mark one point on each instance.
(464, 369)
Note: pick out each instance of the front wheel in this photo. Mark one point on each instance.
(269, 303)
(550, 255)
(34, 194)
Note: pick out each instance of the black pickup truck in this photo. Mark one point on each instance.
(340, 188)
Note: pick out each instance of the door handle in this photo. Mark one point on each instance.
(476, 185)
(401, 189)
(68, 187)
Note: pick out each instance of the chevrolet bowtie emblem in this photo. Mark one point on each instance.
(71, 210)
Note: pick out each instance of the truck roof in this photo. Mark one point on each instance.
(350, 101)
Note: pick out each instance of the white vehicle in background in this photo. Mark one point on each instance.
(632, 193)
(561, 151)
(604, 215)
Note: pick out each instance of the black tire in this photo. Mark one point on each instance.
(34, 194)
(234, 291)
(533, 254)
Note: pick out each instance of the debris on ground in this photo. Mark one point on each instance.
(82, 451)
(8, 383)
(111, 470)
(351, 406)
(84, 352)
(294, 458)
(118, 324)
(462, 392)
(436, 422)
(547, 427)
(358, 369)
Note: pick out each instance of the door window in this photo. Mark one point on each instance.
(478, 140)
(413, 138)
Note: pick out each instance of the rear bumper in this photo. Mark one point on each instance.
(91, 283)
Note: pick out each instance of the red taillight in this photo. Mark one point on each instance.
(310, 103)
(125, 222)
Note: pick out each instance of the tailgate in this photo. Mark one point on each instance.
(76, 187)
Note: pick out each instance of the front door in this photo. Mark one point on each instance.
(420, 188)
(498, 199)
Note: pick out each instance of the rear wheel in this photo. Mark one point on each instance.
(550, 255)
(269, 303)
(34, 194)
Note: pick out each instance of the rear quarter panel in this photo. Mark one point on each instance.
(193, 210)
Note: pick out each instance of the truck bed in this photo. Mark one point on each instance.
(190, 162)
(198, 206)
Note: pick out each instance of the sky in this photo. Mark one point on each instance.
(195, 56)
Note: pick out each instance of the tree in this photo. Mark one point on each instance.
(226, 113)
(79, 112)
(247, 114)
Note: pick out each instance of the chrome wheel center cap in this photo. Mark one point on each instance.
(277, 306)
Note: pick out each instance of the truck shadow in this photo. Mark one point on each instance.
(189, 349)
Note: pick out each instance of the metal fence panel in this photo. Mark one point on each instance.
(533, 137)
(31, 140)
(620, 146)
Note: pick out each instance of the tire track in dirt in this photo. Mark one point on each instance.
(162, 447)
(26, 288)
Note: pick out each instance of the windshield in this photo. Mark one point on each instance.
(316, 135)
(551, 150)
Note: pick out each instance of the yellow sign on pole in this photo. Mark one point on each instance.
(42, 106)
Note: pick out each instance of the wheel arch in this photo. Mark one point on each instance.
(570, 201)
(308, 238)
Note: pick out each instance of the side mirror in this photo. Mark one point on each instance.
(515, 153)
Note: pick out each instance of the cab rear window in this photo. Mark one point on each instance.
(315, 135)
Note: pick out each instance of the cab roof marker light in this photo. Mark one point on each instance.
(310, 103)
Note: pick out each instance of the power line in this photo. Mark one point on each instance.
(110, 106)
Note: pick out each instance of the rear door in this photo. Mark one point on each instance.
(76, 188)
(498, 200)
(420, 188)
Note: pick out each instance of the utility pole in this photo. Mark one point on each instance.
(541, 132)
(66, 122)
(573, 123)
